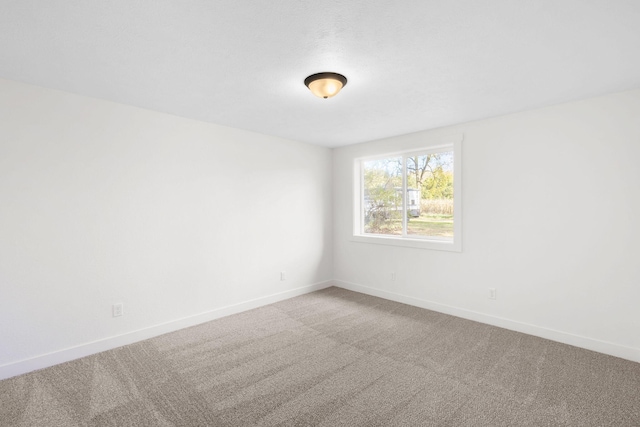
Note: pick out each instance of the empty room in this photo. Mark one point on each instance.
(296, 213)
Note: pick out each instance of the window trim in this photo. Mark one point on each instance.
(435, 243)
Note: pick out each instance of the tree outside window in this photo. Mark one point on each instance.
(424, 180)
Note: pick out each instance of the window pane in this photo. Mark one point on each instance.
(430, 195)
(382, 197)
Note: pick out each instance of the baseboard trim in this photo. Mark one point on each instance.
(54, 358)
(599, 346)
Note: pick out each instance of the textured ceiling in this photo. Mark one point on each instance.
(411, 64)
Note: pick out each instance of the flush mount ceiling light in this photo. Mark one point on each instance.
(325, 85)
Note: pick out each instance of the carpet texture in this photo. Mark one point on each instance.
(332, 358)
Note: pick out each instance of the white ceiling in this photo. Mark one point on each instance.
(411, 64)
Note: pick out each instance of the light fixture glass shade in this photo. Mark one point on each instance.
(325, 85)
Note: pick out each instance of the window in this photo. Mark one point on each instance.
(410, 198)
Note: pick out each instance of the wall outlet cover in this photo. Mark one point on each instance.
(118, 309)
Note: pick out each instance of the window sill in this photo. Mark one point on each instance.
(433, 244)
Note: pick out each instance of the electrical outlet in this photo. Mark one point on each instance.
(118, 310)
(393, 276)
(283, 276)
(492, 293)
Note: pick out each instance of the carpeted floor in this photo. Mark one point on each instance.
(332, 358)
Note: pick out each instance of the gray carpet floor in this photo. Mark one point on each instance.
(332, 358)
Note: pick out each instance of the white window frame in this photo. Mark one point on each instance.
(411, 241)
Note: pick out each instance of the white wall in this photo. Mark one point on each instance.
(105, 203)
(551, 218)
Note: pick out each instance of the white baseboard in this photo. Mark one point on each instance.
(87, 349)
(605, 347)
